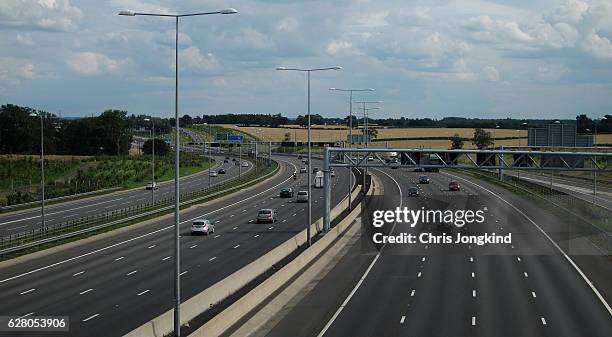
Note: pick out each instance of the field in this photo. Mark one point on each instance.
(278, 134)
(20, 175)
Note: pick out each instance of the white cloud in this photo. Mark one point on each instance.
(24, 39)
(192, 59)
(490, 74)
(41, 14)
(339, 48)
(90, 63)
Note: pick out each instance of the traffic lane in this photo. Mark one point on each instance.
(64, 213)
(332, 286)
(121, 261)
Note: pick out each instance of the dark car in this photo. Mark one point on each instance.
(221, 171)
(315, 170)
(413, 191)
(286, 192)
(227, 158)
(424, 180)
(300, 157)
(419, 169)
(236, 163)
(454, 186)
(233, 159)
(225, 161)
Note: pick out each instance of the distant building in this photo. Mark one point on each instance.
(558, 135)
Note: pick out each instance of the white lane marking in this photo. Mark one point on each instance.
(217, 221)
(151, 246)
(543, 320)
(412, 293)
(216, 236)
(285, 220)
(419, 274)
(119, 258)
(257, 235)
(271, 227)
(533, 294)
(473, 320)
(231, 216)
(365, 274)
(518, 259)
(132, 272)
(423, 259)
(236, 246)
(90, 317)
(192, 247)
(79, 273)
(58, 212)
(144, 235)
(15, 228)
(183, 273)
(525, 274)
(234, 228)
(426, 246)
(251, 220)
(584, 277)
(474, 293)
(294, 214)
(471, 259)
(473, 275)
(27, 291)
(212, 258)
(28, 314)
(85, 291)
(143, 292)
(244, 210)
(165, 258)
(402, 320)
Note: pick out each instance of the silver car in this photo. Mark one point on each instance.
(202, 226)
(267, 215)
(302, 196)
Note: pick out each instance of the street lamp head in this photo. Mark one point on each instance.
(333, 89)
(229, 11)
(336, 68)
(370, 89)
(281, 68)
(127, 13)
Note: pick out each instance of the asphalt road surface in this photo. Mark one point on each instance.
(526, 288)
(110, 286)
(23, 221)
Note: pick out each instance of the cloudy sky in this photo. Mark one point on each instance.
(425, 58)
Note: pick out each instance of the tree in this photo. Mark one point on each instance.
(161, 147)
(456, 142)
(583, 123)
(482, 139)
(287, 136)
(372, 133)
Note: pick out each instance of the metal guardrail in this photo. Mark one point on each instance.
(39, 236)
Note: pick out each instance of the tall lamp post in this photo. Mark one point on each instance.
(365, 134)
(152, 159)
(350, 91)
(309, 219)
(209, 158)
(42, 168)
(177, 295)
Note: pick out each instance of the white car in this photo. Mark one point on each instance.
(202, 226)
(152, 186)
(302, 196)
(303, 170)
(213, 173)
(245, 164)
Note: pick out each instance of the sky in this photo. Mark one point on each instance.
(424, 58)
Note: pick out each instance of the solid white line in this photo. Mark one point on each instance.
(165, 258)
(183, 273)
(533, 294)
(132, 272)
(58, 212)
(144, 235)
(402, 320)
(143, 292)
(412, 293)
(473, 320)
(86, 291)
(212, 258)
(365, 274)
(119, 258)
(236, 246)
(584, 277)
(543, 320)
(27, 291)
(79, 273)
(90, 317)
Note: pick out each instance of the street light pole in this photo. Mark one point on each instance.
(350, 91)
(177, 297)
(309, 218)
(42, 169)
(366, 135)
(152, 133)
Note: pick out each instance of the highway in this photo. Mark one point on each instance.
(112, 285)
(526, 288)
(23, 221)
